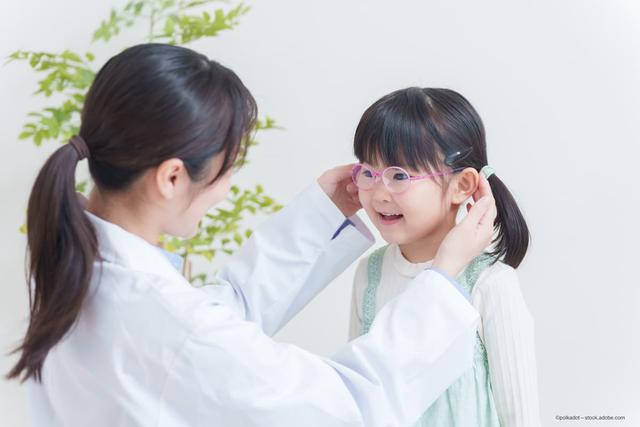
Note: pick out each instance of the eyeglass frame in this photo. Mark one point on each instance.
(377, 176)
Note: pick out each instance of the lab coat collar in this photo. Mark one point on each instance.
(118, 246)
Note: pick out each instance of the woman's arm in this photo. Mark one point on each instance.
(508, 330)
(231, 373)
(291, 257)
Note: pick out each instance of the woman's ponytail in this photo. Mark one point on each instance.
(62, 247)
(513, 234)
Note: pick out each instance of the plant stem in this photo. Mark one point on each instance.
(152, 21)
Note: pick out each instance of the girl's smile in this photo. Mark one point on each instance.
(389, 218)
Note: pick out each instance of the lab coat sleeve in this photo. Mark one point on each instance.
(231, 373)
(291, 257)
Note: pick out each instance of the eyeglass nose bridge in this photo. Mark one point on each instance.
(378, 177)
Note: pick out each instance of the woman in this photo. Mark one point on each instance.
(118, 337)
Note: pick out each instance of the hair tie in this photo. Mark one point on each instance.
(487, 171)
(80, 146)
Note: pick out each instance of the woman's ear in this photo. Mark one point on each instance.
(171, 178)
(463, 186)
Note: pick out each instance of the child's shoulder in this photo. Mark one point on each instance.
(380, 252)
(362, 270)
(498, 277)
(497, 294)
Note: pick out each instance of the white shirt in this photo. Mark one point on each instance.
(151, 350)
(506, 328)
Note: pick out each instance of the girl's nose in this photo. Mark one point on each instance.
(379, 192)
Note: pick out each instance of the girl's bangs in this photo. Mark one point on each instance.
(399, 131)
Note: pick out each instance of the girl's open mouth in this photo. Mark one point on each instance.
(388, 219)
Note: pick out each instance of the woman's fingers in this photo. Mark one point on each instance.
(337, 184)
(488, 218)
(334, 178)
(484, 188)
(478, 211)
(340, 173)
(485, 223)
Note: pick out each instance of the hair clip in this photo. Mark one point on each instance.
(456, 156)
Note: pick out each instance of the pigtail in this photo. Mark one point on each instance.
(512, 240)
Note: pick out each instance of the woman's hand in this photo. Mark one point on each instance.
(471, 236)
(338, 185)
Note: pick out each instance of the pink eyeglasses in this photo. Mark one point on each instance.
(394, 178)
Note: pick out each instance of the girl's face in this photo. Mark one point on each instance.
(411, 215)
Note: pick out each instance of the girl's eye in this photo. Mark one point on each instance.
(400, 176)
(367, 173)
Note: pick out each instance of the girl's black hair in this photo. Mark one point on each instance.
(428, 129)
(148, 104)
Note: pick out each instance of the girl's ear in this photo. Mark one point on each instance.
(170, 178)
(464, 184)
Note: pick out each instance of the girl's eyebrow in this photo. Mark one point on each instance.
(375, 167)
(411, 171)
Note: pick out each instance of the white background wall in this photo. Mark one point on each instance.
(556, 83)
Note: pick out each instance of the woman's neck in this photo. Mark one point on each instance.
(425, 248)
(121, 210)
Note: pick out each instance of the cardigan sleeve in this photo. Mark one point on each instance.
(508, 333)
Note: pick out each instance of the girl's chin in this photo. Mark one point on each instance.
(399, 236)
(392, 237)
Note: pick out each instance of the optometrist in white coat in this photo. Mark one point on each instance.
(148, 349)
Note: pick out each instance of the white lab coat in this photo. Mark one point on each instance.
(150, 350)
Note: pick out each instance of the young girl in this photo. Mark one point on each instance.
(422, 151)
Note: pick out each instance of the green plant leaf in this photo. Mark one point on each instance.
(68, 75)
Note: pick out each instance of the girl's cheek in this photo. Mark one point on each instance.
(417, 206)
(365, 201)
(404, 202)
(363, 196)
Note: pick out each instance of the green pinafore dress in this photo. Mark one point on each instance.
(468, 402)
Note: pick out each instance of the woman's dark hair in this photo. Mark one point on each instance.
(428, 129)
(149, 103)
